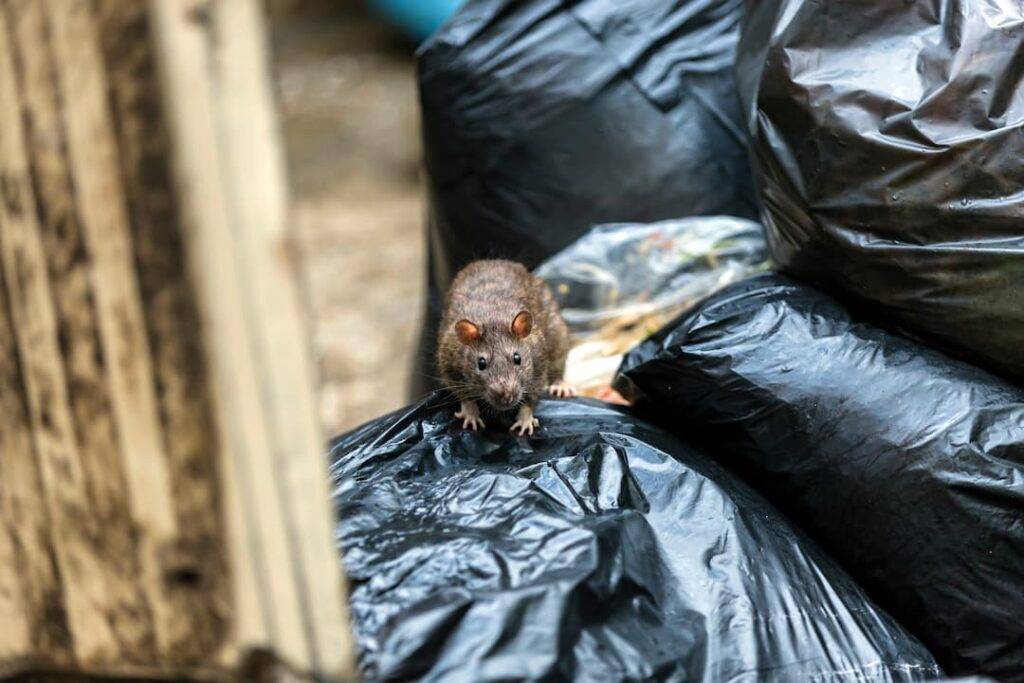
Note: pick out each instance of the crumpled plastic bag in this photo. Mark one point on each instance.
(888, 138)
(603, 549)
(905, 464)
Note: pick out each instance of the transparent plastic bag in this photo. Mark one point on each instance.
(622, 282)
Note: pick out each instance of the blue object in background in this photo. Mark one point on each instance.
(418, 18)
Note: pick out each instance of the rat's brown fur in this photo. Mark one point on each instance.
(490, 294)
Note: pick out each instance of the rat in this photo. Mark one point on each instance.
(502, 341)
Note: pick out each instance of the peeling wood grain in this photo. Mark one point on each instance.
(33, 600)
(100, 202)
(195, 567)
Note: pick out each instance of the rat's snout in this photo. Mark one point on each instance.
(503, 394)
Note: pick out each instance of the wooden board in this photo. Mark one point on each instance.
(163, 496)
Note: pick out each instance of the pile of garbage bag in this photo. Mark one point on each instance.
(605, 144)
(602, 549)
(905, 464)
(545, 118)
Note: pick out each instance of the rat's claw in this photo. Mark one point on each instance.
(470, 416)
(561, 390)
(525, 427)
(470, 421)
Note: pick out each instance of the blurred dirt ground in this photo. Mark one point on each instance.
(350, 117)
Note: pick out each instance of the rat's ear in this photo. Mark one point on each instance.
(467, 331)
(522, 324)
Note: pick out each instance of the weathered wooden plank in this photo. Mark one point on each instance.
(31, 598)
(267, 599)
(230, 170)
(107, 615)
(14, 638)
(100, 202)
(197, 565)
(253, 159)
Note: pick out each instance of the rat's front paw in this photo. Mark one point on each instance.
(525, 422)
(561, 389)
(525, 427)
(470, 416)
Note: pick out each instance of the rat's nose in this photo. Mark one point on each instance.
(505, 395)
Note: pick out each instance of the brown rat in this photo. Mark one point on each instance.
(502, 341)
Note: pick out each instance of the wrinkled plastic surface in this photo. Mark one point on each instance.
(634, 270)
(619, 283)
(603, 549)
(888, 138)
(544, 118)
(907, 465)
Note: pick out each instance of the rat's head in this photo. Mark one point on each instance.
(499, 358)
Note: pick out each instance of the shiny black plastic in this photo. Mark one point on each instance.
(888, 138)
(603, 549)
(906, 465)
(544, 118)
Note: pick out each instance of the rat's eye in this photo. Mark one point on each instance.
(481, 363)
(517, 359)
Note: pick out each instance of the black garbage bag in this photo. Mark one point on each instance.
(603, 549)
(887, 137)
(907, 465)
(543, 118)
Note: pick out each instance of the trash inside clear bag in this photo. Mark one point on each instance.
(620, 283)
